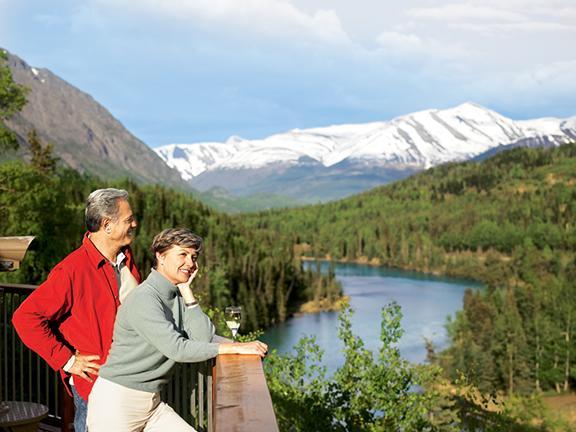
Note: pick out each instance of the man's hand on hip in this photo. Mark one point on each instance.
(85, 365)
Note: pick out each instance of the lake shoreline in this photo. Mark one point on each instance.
(323, 305)
(376, 262)
(336, 304)
(425, 303)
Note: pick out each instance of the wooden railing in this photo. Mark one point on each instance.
(229, 394)
(242, 401)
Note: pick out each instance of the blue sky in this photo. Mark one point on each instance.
(181, 71)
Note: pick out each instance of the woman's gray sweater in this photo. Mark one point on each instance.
(153, 331)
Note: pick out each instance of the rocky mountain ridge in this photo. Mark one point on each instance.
(84, 134)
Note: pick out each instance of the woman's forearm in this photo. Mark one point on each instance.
(255, 348)
(221, 339)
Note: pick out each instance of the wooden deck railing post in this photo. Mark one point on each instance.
(213, 406)
(242, 401)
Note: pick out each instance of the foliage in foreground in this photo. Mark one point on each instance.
(364, 394)
(385, 392)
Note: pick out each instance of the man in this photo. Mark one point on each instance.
(69, 319)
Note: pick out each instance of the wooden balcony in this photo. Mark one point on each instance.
(229, 394)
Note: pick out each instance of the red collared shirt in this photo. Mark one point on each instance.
(74, 309)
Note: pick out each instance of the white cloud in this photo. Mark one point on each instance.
(527, 4)
(400, 42)
(549, 78)
(222, 67)
(509, 16)
(519, 27)
(466, 11)
(561, 12)
(538, 91)
(276, 18)
(409, 45)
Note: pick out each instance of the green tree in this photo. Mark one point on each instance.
(12, 100)
(42, 157)
(367, 393)
(33, 203)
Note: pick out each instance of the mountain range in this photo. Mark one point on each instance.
(296, 167)
(331, 162)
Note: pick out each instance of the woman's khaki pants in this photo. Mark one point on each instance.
(113, 407)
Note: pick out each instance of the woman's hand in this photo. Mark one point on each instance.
(256, 347)
(186, 289)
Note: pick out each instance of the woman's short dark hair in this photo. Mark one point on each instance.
(175, 237)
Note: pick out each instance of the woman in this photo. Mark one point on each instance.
(160, 323)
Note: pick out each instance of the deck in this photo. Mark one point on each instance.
(228, 394)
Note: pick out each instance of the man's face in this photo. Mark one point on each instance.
(121, 230)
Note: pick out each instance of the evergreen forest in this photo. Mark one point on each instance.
(255, 268)
(507, 221)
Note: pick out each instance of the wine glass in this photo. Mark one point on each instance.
(233, 315)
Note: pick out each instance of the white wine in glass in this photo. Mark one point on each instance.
(233, 315)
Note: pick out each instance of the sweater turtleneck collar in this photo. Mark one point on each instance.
(164, 287)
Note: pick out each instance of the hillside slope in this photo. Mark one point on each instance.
(84, 134)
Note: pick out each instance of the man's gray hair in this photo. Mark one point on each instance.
(102, 203)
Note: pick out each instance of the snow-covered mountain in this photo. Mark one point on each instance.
(405, 144)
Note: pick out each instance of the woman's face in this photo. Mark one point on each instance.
(177, 263)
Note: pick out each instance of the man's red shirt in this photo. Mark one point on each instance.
(74, 309)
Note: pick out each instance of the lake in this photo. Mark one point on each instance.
(426, 302)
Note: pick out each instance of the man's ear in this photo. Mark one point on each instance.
(106, 225)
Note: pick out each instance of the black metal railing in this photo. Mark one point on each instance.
(24, 376)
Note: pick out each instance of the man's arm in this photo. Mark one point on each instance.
(48, 303)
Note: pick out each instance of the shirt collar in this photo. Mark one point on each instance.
(96, 258)
(119, 259)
